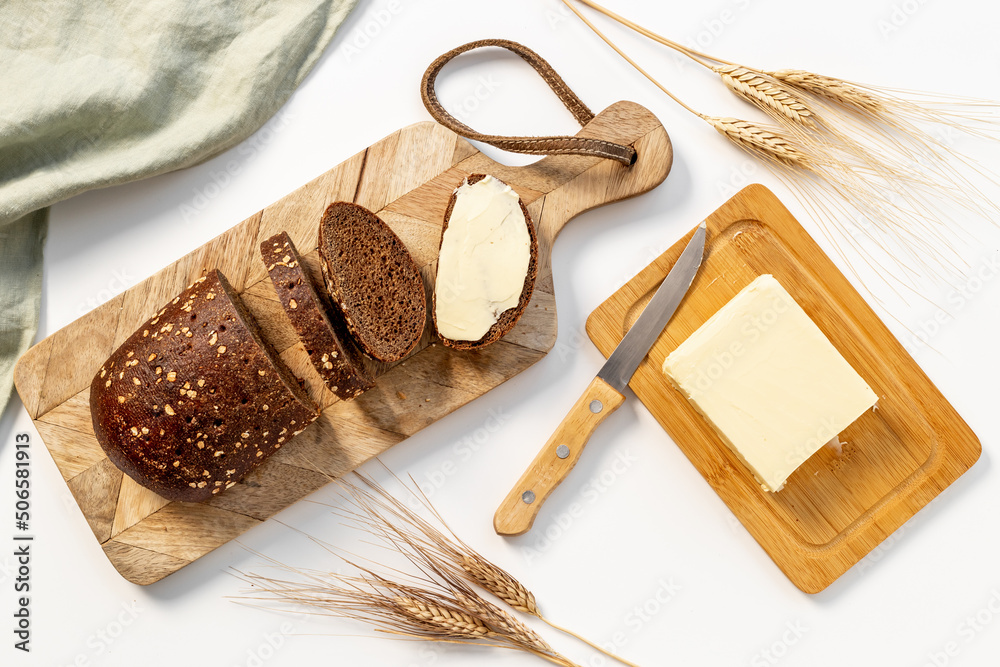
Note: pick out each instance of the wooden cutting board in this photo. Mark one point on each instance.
(407, 178)
(839, 505)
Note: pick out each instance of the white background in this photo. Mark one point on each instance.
(657, 524)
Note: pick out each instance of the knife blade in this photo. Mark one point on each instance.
(603, 396)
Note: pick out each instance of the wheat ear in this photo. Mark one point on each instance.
(434, 610)
(761, 141)
(441, 551)
(442, 619)
(777, 99)
(470, 620)
(510, 625)
(509, 590)
(506, 588)
(500, 583)
(833, 89)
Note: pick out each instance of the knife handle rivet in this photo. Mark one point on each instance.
(528, 497)
(562, 451)
(596, 406)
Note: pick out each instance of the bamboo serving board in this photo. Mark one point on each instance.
(838, 506)
(407, 178)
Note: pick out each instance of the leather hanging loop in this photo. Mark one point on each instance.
(534, 145)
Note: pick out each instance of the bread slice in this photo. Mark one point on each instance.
(508, 318)
(326, 339)
(194, 399)
(372, 280)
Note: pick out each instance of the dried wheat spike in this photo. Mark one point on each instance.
(524, 635)
(445, 620)
(836, 90)
(501, 584)
(772, 97)
(504, 623)
(760, 141)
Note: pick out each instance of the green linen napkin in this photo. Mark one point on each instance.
(94, 94)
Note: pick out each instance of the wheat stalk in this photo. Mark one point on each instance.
(790, 155)
(438, 611)
(849, 148)
(761, 89)
(439, 550)
(439, 604)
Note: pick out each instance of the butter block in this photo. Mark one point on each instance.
(769, 381)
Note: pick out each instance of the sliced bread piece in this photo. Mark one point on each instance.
(487, 264)
(326, 339)
(195, 399)
(372, 280)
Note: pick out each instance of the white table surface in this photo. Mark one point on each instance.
(655, 561)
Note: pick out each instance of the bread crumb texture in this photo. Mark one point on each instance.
(377, 285)
(321, 329)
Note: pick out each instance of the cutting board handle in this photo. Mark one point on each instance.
(559, 187)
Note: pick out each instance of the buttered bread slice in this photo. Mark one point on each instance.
(487, 264)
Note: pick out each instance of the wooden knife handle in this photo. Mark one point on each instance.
(519, 509)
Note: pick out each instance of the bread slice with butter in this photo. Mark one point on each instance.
(487, 264)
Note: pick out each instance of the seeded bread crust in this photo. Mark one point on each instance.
(373, 280)
(325, 338)
(195, 399)
(509, 317)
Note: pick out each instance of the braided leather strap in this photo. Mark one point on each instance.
(534, 145)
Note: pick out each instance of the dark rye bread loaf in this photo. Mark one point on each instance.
(194, 399)
(326, 339)
(372, 280)
(509, 317)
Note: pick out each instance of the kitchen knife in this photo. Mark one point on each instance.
(519, 509)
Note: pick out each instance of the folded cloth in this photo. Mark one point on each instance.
(101, 93)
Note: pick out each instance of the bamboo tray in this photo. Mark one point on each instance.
(836, 507)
